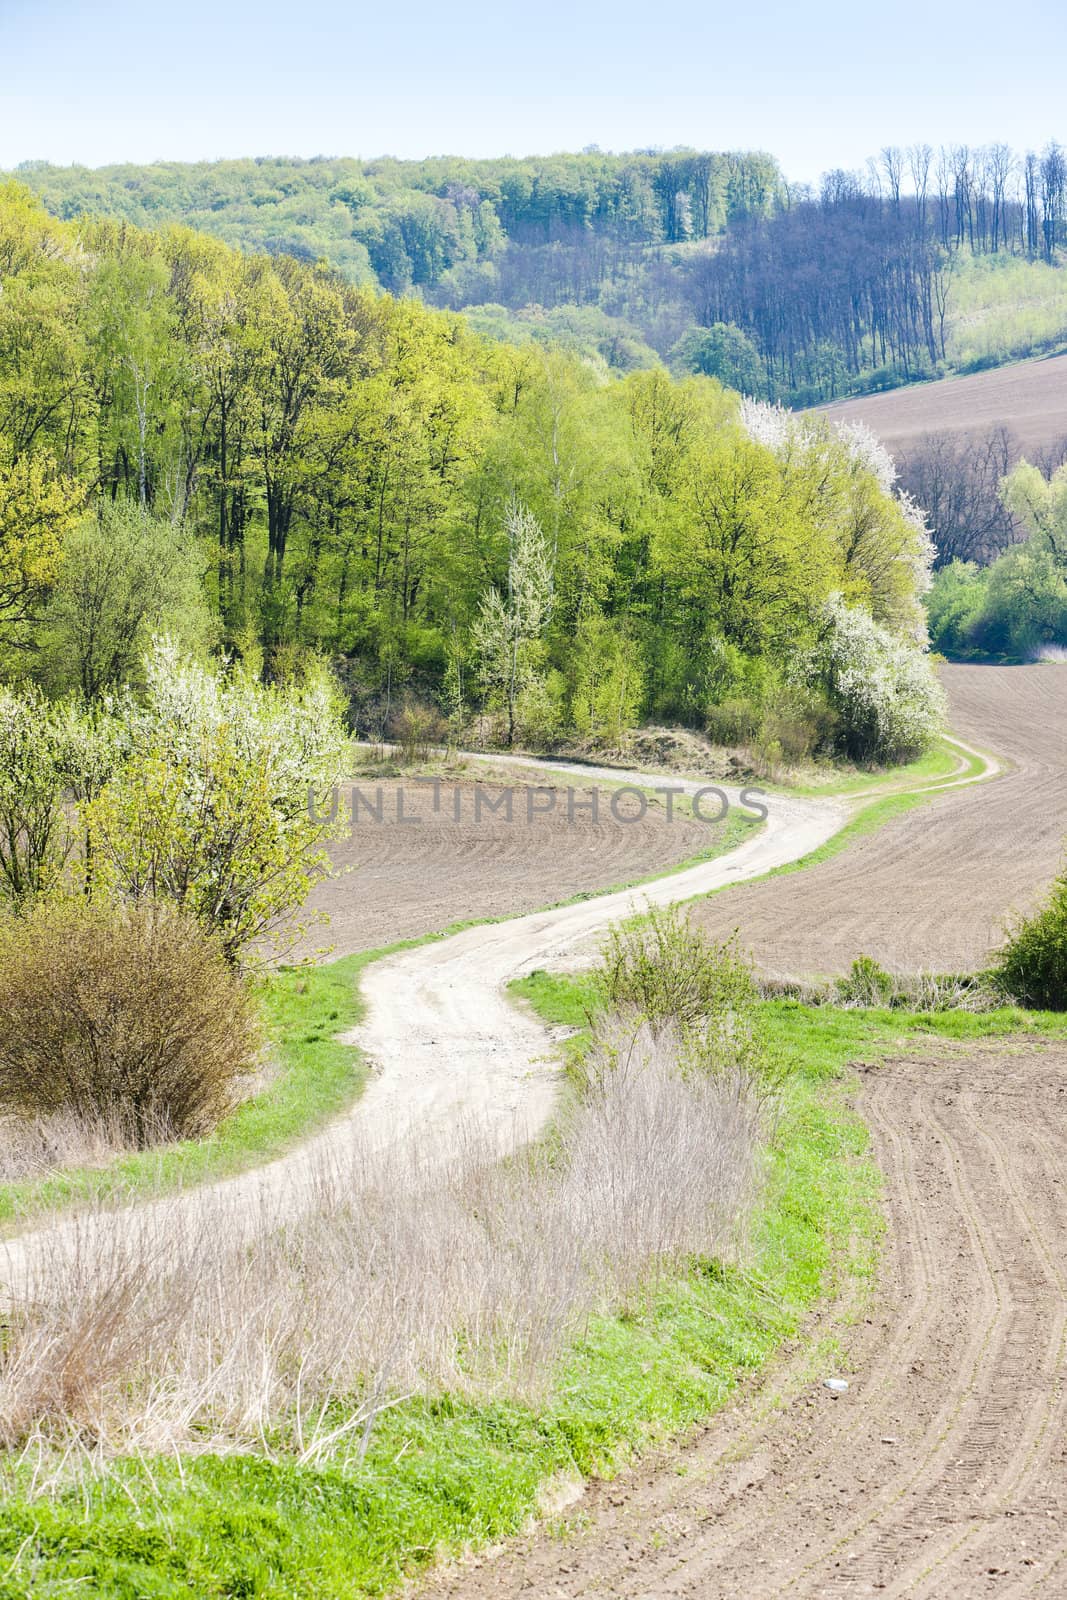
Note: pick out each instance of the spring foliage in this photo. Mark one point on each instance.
(360, 476)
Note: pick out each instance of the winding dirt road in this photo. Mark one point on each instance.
(942, 1472)
(453, 1053)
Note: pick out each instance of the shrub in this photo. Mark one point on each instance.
(882, 689)
(664, 971)
(1033, 963)
(416, 727)
(128, 1014)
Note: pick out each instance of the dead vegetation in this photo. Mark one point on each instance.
(173, 1326)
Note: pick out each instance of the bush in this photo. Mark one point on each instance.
(664, 971)
(416, 727)
(882, 689)
(1033, 964)
(129, 1015)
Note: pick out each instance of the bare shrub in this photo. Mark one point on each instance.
(127, 1014)
(201, 1320)
(417, 727)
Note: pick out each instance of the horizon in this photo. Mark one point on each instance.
(117, 87)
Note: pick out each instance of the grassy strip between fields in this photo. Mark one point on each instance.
(440, 1474)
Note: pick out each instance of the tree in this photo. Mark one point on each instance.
(38, 505)
(126, 575)
(724, 352)
(1040, 504)
(220, 806)
(35, 838)
(510, 623)
(889, 704)
(956, 479)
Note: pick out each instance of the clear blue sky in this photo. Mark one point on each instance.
(819, 83)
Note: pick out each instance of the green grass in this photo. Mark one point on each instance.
(940, 762)
(442, 1473)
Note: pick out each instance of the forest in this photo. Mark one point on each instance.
(253, 456)
(928, 261)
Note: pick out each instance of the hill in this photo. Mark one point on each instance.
(710, 261)
(1029, 399)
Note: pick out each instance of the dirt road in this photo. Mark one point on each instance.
(942, 1472)
(932, 889)
(452, 1051)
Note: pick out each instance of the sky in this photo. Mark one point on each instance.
(818, 83)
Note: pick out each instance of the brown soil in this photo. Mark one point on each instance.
(933, 889)
(399, 880)
(1029, 397)
(943, 1470)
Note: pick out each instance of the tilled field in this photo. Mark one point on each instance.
(943, 1469)
(931, 890)
(397, 879)
(1029, 396)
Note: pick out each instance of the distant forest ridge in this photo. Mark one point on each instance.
(926, 262)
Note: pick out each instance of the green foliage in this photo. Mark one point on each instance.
(125, 576)
(663, 970)
(214, 807)
(724, 352)
(38, 756)
(127, 1015)
(339, 465)
(1017, 606)
(1033, 964)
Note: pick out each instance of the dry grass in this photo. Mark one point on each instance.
(34, 1147)
(868, 984)
(185, 1325)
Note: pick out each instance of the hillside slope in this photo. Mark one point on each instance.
(1029, 398)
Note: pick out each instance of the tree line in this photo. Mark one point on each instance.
(852, 286)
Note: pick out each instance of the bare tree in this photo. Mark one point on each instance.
(956, 479)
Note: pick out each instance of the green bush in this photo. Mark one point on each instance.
(665, 971)
(124, 1014)
(1033, 964)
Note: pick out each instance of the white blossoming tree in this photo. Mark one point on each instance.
(883, 690)
(510, 624)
